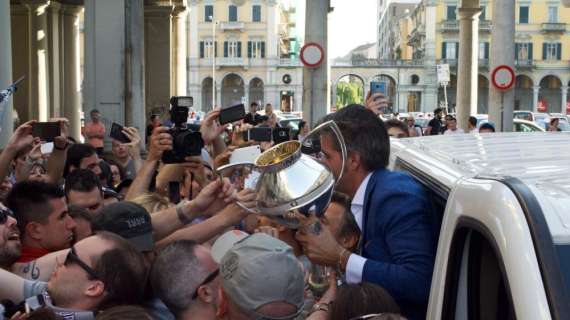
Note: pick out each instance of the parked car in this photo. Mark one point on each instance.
(520, 125)
(536, 117)
(501, 213)
(562, 121)
(291, 122)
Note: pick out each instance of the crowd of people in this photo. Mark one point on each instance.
(89, 234)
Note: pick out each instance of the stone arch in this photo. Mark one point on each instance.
(483, 93)
(348, 81)
(550, 95)
(524, 92)
(232, 89)
(255, 93)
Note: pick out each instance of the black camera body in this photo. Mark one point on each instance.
(185, 141)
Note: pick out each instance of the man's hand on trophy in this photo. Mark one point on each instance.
(319, 244)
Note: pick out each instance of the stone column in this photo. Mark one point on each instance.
(501, 104)
(564, 98)
(6, 121)
(38, 75)
(316, 81)
(55, 51)
(71, 98)
(468, 64)
(179, 51)
(135, 115)
(429, 99)
(535, 92)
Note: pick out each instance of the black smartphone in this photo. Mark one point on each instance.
(46, 131)
(231, 114)
(259, 134)
(117, 133)
(281, 135)
(174, 191)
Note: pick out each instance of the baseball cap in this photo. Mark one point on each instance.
(225, 242)
(128, 220)
(258, 270)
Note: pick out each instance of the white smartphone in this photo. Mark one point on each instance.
(246, 154)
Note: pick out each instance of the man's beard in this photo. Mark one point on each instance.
(9, 254)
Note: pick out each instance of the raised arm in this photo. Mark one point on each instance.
(21, 138)
(12, 287)
(56, 161)
(41, 268)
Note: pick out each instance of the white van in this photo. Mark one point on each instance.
(503, 201)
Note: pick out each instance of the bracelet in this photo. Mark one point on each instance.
(320, 307)
(180, 213)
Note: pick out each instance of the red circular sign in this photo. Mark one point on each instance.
(503, 77)
(312, 55)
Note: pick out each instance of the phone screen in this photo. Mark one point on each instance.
(260, 134)
(117, 133)
(46, 131)
(281, 135)
(231, 114)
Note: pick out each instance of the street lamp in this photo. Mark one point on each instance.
(214, 23)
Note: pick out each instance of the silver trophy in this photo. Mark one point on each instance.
(289, 179)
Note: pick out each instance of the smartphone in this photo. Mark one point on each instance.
(259, 134)
(246, 154)
(174, 191)
(117, 133)
(281, 135)
(46, 131)
(46, 148)
(231, 114)
(378, 87)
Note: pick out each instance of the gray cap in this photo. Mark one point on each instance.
(259, 270)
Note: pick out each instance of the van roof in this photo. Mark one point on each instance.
(540, 160)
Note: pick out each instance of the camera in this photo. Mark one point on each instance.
(185, 141)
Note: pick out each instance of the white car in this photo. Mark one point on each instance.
(519, 125)
(502, 204)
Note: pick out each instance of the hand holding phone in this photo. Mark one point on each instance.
(232, 114)
(46, 131)
(117, 133)
(378, 87)
(259, 134)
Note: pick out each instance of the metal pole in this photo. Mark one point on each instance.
(445, 97)
(213, 62)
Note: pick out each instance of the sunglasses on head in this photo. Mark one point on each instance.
(73, 258)
(4, 214)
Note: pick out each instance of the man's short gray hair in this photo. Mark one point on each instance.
(175, 275)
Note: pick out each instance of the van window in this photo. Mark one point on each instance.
(476, 286)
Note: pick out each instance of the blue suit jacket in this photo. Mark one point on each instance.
(398, 239)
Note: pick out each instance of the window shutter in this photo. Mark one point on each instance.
(215, 48)
(225, 49)
(559, 51)
(530, 51)
(201, 49)
(517, 49)
(208, 11)
(456, 50)
(486, 51)
(544, 51)
(444, 50)
(239, 49)
(263, 49)
(249, 49)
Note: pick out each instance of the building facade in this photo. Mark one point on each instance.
(390, 14)
(542, 51)
(243, 51)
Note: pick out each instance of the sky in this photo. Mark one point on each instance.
(352, 23)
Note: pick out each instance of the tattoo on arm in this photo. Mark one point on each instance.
(32, 269)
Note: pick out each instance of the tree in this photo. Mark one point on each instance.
(349, 93)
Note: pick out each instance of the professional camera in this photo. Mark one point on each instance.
(185, 141)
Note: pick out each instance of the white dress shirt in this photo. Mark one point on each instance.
(355, 264)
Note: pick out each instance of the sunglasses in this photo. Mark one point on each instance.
(208, 279)
(4, 214)
(73, 258)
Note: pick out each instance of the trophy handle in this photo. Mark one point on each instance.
(336, 130)
(234, 166)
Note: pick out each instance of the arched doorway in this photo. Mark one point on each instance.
(524, 93)
(483, 94)
(232, 90)
(256, 91)
(349, 90)
(393, 102)
(451, 94)
(549, 97)
(207, 94)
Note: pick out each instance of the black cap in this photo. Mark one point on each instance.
(128, 220)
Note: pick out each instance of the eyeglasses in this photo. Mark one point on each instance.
(72, 257)
(4, 214)
(208, 279)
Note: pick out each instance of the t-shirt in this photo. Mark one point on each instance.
(456, 131)
(33, 289)
(91, 129)
(435, 125)
(130, 170)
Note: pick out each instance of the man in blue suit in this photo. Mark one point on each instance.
(397, 248)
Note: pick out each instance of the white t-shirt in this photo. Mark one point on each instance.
(456, 131)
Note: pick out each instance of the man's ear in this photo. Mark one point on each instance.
(353, 161)
(349, 242)
(95, 289)
(223, 305)
(206, 294)
(35, 230)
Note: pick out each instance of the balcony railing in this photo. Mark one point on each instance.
(483, 63)
(450, 25)
(230, 62)
(377, 63)
(232, 26)
(554, 27)
(450, 62)
(485, 25)
(523, 63)
(288, 62)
